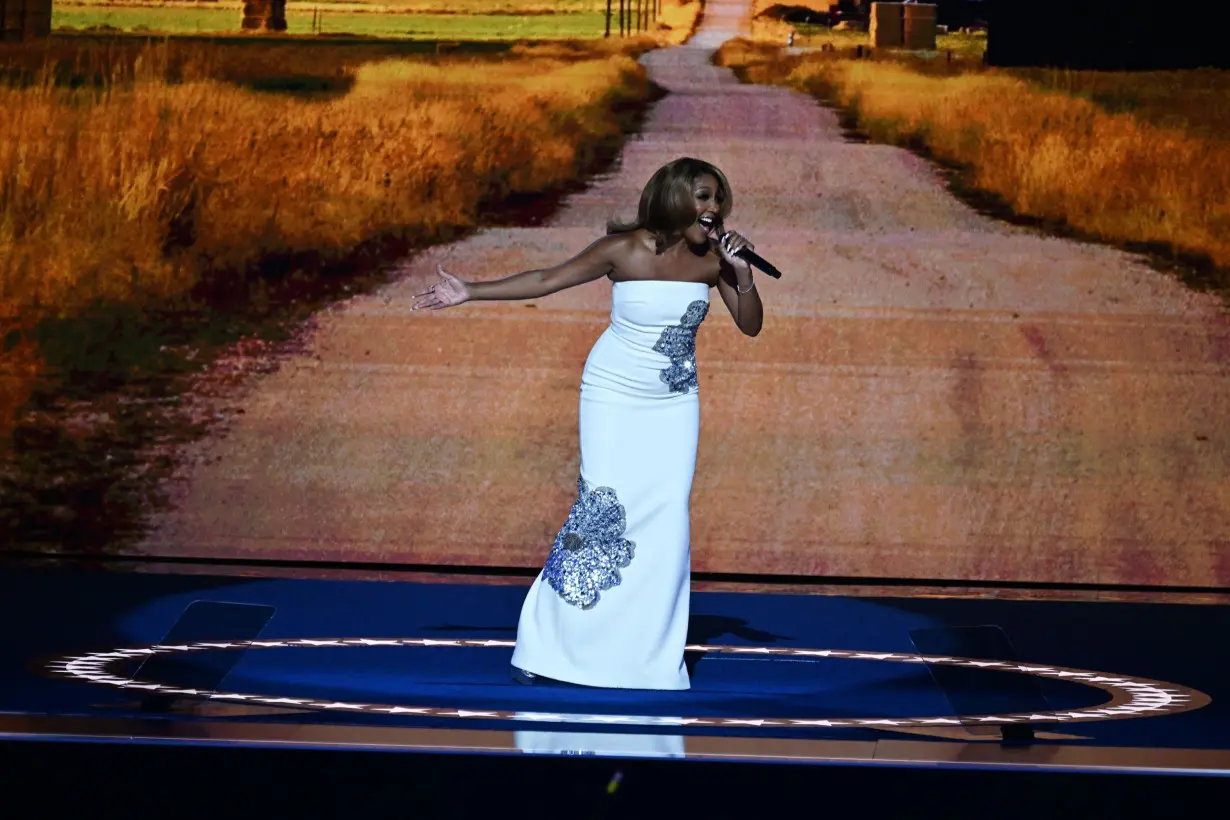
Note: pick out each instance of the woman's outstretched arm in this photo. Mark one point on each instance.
(595, 261)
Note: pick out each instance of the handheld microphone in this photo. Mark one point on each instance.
(746, 254)
(756, 260)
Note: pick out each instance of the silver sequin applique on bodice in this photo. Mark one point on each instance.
(678, 343)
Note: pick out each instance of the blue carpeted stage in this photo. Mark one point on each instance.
(879, 683)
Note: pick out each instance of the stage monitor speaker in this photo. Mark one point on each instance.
(975, 691)
(201, 670)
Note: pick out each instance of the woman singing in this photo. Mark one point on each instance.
(610, 607)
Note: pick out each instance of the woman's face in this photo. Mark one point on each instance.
(707, 225)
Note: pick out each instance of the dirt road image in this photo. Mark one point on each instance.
(935, 394)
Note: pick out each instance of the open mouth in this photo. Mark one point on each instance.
(707, 221)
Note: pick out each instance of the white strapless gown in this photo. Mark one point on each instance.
(610, 608)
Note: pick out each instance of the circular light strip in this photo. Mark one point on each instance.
(1130, 697)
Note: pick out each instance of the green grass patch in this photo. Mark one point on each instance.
(334, 21)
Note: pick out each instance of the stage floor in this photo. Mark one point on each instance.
(156, 657)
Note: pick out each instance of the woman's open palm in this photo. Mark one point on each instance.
(448, 292)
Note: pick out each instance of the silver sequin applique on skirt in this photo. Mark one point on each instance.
(678, 343)
(590, 549)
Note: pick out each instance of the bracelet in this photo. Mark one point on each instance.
(741, 290)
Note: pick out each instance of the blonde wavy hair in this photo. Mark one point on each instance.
(667, 204)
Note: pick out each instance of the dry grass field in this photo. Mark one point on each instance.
(1131, 158)
(138, 175)
(128, 170)
(129, 193)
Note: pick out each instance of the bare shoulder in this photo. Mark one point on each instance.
(630, 254)
(626, 244)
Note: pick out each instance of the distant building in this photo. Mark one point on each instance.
(952, 14)
(1112, 35)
